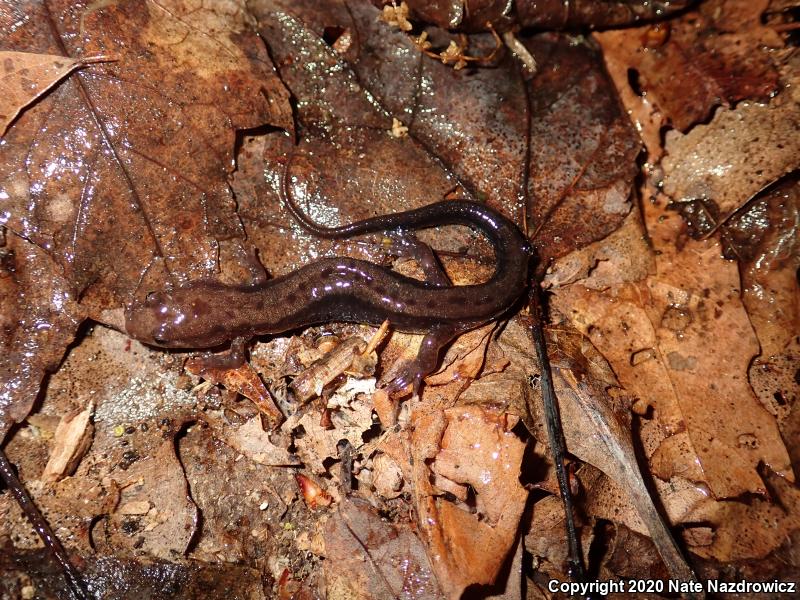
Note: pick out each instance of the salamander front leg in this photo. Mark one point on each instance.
(232, 359)
(413, 372)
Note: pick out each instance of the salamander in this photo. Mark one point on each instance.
(207, 314)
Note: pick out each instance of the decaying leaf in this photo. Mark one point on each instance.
(597, 430)
(111, 176)
(131, 174)
(252, 441)
(688, 66)
(317, 444)
(742, 531)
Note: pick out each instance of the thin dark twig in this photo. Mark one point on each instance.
(43, 529)
(555, 434)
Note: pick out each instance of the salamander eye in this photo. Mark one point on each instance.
(159, 339)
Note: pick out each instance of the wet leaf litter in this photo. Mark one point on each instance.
(670, 277)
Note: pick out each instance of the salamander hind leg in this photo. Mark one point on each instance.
(407, 245)
(412, 372)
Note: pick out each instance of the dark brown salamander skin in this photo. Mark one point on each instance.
(207, 314)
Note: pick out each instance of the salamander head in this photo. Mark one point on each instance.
(178, 319)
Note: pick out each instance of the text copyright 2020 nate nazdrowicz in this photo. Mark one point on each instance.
(675, 586)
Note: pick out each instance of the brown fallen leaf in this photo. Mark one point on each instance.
(72, 438)
(467, 548)
(743, 531)
(764, 239)
(597, 430)
(656, 336)
(252, 441)
(27, 76)
(155, 512)
(686, 67)
(690, 311)
(724, 164)
(631, 556)
(368, 558)
(316, 444)
(112, 176)
(585, 168)
(39, 317)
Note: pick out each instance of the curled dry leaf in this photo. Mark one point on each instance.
(387, 476)
(313, 495)
(243, 380)
(465, 357)
(583, 380)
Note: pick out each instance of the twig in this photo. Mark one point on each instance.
(555, 434)
(43, 529)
